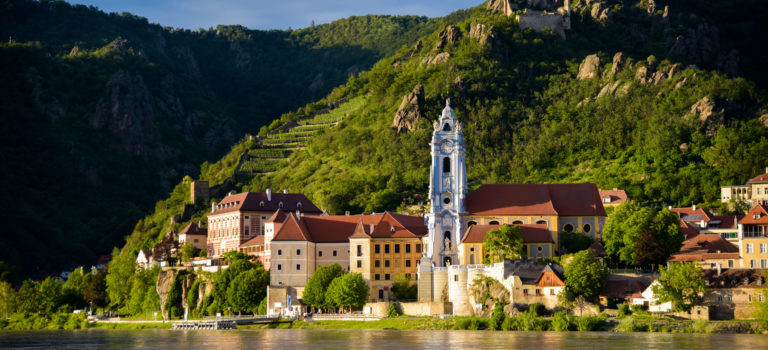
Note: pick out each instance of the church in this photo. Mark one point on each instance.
(556, 208)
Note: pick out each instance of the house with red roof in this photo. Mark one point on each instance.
(238, 218)
(613, 197)
(709, 251)
(753, 193)
(575, 207)
(537, 243)
(194, 234)
(695, 221)
(753, 238)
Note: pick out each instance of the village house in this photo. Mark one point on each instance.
(613, 197)
(651, 302)
(194, 234)
(695, 221)
(753, 193)
(708, 251)
(144, 259)
(732, 293)
(241, 217)
(537, 243)
(753, 238)
(619, 289)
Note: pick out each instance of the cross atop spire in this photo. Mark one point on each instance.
(448, 102)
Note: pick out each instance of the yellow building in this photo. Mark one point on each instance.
(385, 246)
(560, 207)
(753, 238)
(537, 243)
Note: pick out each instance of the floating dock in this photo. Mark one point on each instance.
(204, 325)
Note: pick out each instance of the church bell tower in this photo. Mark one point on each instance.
(447, 190)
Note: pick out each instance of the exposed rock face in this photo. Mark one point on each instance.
(127, 112)
(501, 6)
(450, 34)
(539, 20)
(242, 58)
(488, 35)
(495, 291)
(409, 112)
(704, 108)
(188, 58)
(45, 103)
(698, 45)
(164, 281)
(764, 120)
(608, 89)
(600, 12)
(708, 115)
(618, 63)
(588, 68)
(439, 58)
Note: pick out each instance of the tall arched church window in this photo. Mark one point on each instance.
(446, 165)
(446, 127)
(494, 222)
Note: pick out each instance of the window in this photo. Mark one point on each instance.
(359, 250)
(446, 165)
(750, 248)
(377, 263)
(418, 248)
(407, 248)
(470, 223)
(298, 267)
(517, 222)
(407, 263)
(279, 267)
(538, 292)
(298, 205)
(587, 228)
(455, 278)
(525, 292)
(320, 253)
(280, 204)
(386, 277)
(397, 248)
(359, 264)
(334, 253)
(552, 291)
(568, 228)
(279, 252)
(447, 200)
(539, 248)
(541, 222)
(247, 230)
(750, 298)
(386, 249)
(446, 127)
(728, 298)
(408, 275)
(494, 222)
(763, 263)
(719, 298)
(763, 248)
(298, 251)
(752, 263)
(730, 263)
(760, 298)
(377, 249)
(247, 217)
(377, 277)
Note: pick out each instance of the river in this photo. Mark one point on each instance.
(290, 339)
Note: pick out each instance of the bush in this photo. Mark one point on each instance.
(624, 310)
(262, 310)
(629, 324)
(538, 309)
(702, 326)
(589, 323)
(510, 324)
(471, 323)
(639, 309)
(529, 321)
(392, 311)
(561, 322)
(498, 317)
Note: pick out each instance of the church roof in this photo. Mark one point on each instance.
(339, 228)
(530, 233)
(259, 201)
(581, 199)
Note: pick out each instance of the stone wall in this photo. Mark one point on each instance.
(411, 309)
(538, 20)
(199, 192)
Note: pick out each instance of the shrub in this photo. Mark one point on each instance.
(624, 310)
(510, 324)
(498, 317)
(702, 326)
(561, 322)
(589, 323)
(629, 324)
(537, 308)
(529, 321)
(392, 311)
(638, 308)
(471, 323)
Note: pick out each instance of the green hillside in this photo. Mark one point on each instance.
(104, 113)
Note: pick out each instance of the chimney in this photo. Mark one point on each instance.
(213, 207)
(285, 191)
(229, 193)
(298, 213)
(346, 213)
(694, 207)
(371, 228)
(766, 170)
(615, 189)
(703, 224)
(269, 195)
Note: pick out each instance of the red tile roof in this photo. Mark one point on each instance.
(340, 228)
(278, 216)
(193, 229)
(692, 214)
(733, 278)
(762, 178)
(614, 196)
(688, 230)
(757, 216)
(705, 247)
(258, 201)
(622, 288)
(536, 199)
(727, 221)
(530, 233)
(258, 240)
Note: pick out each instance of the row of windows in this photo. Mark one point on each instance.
(377, 277)
(516, 222)
(377, 248)
(751, 298)
(763, 248)
(538, 292)
(298, 252)
(763, 263)
(377, 263)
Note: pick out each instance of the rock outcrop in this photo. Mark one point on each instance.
(588, 67)
(409, 112)
(618, 63)
(488, 35)
(501, 6)
(708, 115)
(449, 35)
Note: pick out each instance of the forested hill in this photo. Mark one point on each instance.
(103, 113)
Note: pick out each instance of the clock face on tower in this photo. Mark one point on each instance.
(446, 146)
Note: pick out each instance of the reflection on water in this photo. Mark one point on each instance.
(370, 339)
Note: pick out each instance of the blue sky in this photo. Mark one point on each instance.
(275, 14)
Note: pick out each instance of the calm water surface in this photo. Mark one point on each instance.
(290, 339)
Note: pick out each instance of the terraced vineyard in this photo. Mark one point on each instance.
(273, 150)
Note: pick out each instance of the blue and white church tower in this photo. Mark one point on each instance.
(447, 190)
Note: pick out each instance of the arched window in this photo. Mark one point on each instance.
(446, 127)
(494, 222)
(568, 228)
(541, 222)
(517, 222)
(470, 223)
(446, 165)
(587, 228)
(298, 205)
(280, 205)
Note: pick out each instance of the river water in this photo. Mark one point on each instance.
(290, 339)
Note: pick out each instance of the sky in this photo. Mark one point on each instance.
(273, 14)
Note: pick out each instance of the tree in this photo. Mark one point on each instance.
(27, 298)
(95, 288)
(49, 294)
(347, 291)
(7, 299)
(505, 242)
(640, 235)
(403, 289)
(188, 251)
(573, 242)
(247, 290)
(317, 285)
(232, 256)
(120, 279)
(584, 276)
(681, 283)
